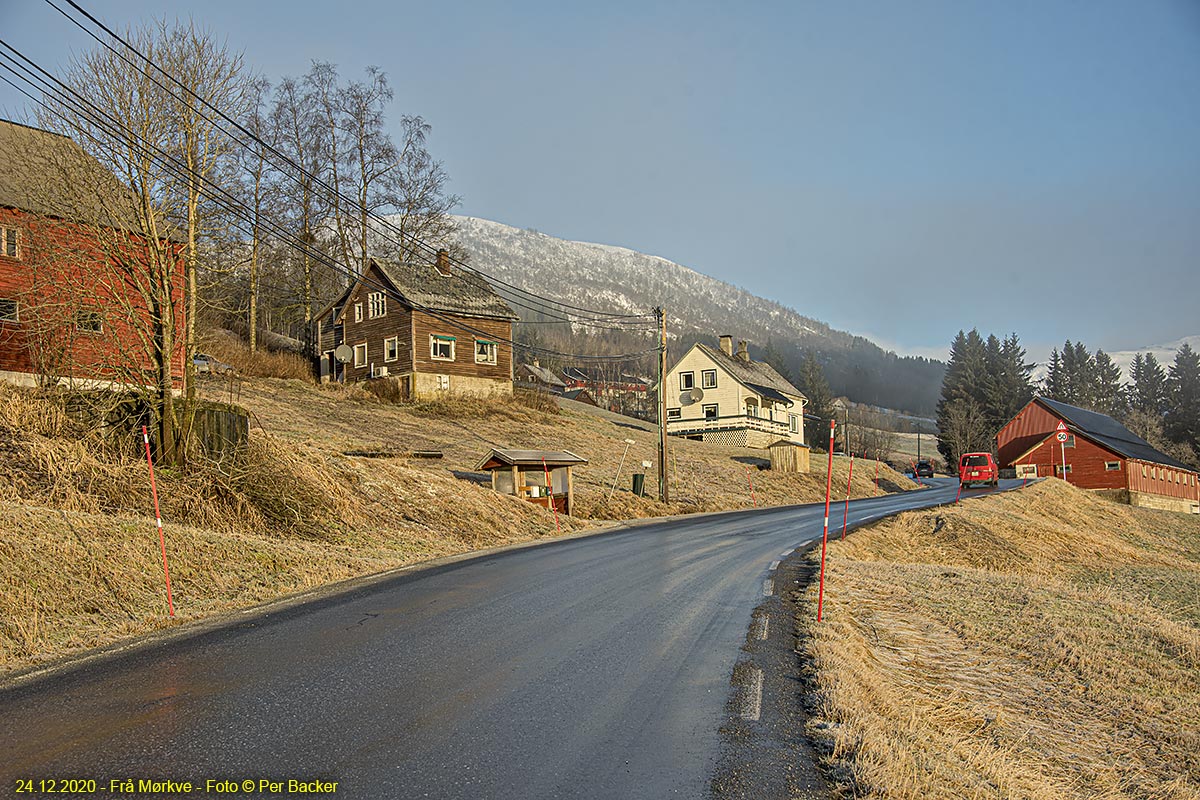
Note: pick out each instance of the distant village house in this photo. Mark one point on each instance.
(436, 328)
(723, 396)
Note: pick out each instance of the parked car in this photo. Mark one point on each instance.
(978, 468)
(924, 469)
(206, 363)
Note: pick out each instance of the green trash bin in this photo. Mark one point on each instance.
(639, 484)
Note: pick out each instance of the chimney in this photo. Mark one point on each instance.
(727, 345)
(537, 363)
(443, 263)
(742, 352)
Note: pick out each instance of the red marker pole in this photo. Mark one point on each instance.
(876, 478)
(751, 482)
(825, 533)
(846, 512)
(959, 492)
(916, 474)
(162, 539)
(550, 494)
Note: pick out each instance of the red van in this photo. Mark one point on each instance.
(978, 468)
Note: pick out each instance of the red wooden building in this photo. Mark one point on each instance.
(72, 293)
(1100, 453)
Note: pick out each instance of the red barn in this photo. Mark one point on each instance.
(75, 282)
(1101, 453)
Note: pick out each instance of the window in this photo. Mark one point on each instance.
(441, 348)
(711, 412)
(358, 312)
(1070, 442)
(485, 352)
(1112, 466)
(10, 242)
(794, 423)
(9, 311)
(674, 413)
(1143, 470)
(686, 381)
(89, 321)
(376, 305)
(391, 349)
(443, 383)
(1058, 469)
(708, 379)
(360, 355)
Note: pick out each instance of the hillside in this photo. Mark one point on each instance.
(698, 307)
(79, 557)
(1037, 644)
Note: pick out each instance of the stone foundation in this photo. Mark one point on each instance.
(1163, 503)
(427, 386)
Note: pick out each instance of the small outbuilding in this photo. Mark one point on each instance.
(788, 456)
(524, 473)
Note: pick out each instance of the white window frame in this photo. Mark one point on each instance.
(1070, 442)
(1112, 466)
(86, 315)
(360, 362)
(691, 381)
(1058, 469)
(358, 312)
(674, 413)
(434, 340)
(704, 384)
(716, 410)
(490, 356)
(392, 345)
(443, 383)
(376, 305)
(13, 234)
(16, 311)
(794, 423)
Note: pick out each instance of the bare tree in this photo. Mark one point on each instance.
(964, 429)
(422, 204)
(254, 167)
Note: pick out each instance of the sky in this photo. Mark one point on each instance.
(898, 170)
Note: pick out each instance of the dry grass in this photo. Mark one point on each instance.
(260, 363)
(1041, 644)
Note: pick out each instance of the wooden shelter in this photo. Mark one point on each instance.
(789, 456)
(523, 473)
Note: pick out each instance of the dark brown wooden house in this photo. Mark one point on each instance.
(1100, 452)
(436, 328)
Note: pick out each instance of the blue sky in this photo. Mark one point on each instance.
(900, 170)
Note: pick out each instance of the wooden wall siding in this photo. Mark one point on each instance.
(425, 325)
(1168, 481)
(1087, 463)
(1029, 427)
(62, 267)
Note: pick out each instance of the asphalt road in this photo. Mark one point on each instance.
(597, 667)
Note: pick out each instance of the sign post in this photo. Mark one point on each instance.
(825, 532)
(1061, 435)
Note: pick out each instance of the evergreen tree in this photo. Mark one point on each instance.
(1183, 419)
(1107, 396)
(1148, 386)
(819, 410)
(966, 379)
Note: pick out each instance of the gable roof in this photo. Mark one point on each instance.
(529, 458)
(756, 375)
(544, 374)
(47, 173)
(460, 292)
(1110, 434)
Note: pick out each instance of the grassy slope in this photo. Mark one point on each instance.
(1041, 644)
(79, 558)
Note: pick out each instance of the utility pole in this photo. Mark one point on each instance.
(664, 493)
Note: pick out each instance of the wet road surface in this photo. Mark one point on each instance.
(596, 667)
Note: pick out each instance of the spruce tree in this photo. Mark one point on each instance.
(819, 410)
(1148, 385)
(1107, 396)
(1183, 418)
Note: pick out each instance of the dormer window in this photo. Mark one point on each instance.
(376, 305)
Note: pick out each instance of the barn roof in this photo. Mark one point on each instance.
(1110, 434)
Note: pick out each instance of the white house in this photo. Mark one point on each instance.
(722, 396)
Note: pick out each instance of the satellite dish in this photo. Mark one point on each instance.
(697, 394)
(685, 398)
(343, 353)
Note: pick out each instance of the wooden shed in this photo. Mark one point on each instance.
(523, 473)
(789, 456)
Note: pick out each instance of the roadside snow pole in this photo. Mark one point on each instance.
(750, 480)
(959, 492)
(825, 533)
(846, 511)
(617, 477)
(876, 478)
(916, 474)
(550, 494)
(162, 539)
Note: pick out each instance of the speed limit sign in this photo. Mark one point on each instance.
(1061, 436)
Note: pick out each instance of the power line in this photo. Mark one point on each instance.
(333, 190)
(228, 202)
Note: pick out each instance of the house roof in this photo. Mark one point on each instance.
(1110, 434)
(544, 374)
(460, 292)
(529, 458)
(48, 173)
(578, 395)
(756, 375)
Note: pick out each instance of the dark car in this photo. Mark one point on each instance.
(924, 469)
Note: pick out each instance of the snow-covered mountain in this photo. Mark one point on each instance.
(1165, 353)
(698, 307)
